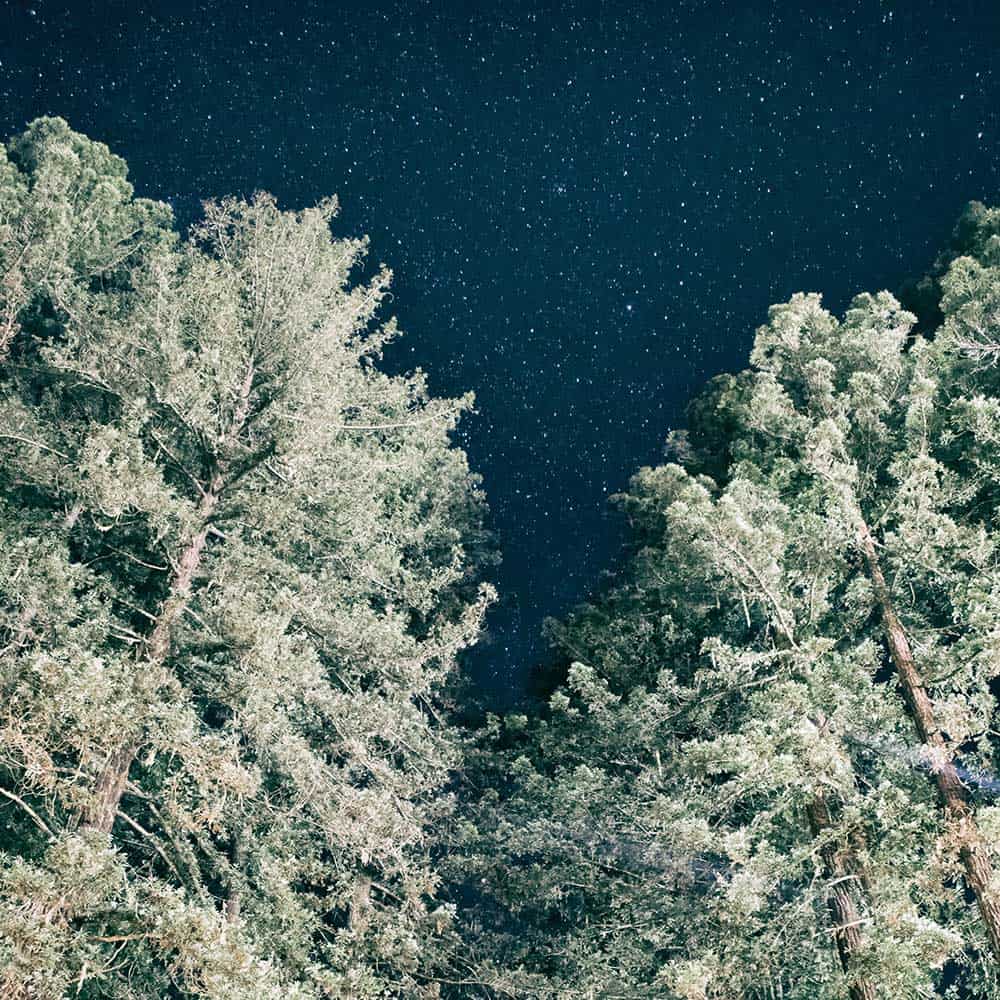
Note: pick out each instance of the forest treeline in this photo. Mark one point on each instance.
(239, 564)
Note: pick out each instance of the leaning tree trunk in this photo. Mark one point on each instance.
(110, 785)
(954, 798)
(844, 882)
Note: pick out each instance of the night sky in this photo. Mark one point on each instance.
(588, 207)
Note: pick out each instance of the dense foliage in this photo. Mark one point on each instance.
(235, 564)
(238, 564)
(771, 769)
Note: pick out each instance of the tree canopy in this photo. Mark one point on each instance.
(770, 771)
(239, 563)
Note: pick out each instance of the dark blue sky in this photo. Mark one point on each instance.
(588, 207)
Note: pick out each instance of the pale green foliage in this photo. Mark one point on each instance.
(67, 218)
(730, 741)
(196, 446)
(237, 562)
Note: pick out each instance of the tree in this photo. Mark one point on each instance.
(238, 560)
(766, 774)
(871, 409)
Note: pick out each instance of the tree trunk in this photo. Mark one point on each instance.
(100, 813)
(954, 798)
(842, 869)
(842, 874)
(110, 785)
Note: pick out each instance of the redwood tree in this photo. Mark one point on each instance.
(770, 770)
(237, 561)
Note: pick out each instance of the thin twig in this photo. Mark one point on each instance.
(31, 812)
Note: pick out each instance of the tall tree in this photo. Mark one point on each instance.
(865, 409)
(238, 561)
(778, 730)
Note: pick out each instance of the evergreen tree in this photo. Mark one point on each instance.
(769, 770)
(237, 563)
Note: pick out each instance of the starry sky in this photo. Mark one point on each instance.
(588, 206)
